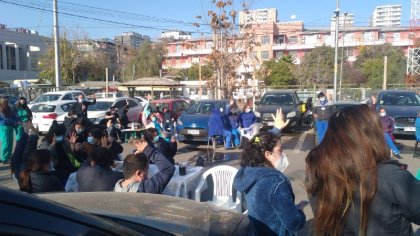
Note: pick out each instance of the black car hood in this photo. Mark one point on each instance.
(402, 111)
(272, 108)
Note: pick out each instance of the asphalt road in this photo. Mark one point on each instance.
(296, 146)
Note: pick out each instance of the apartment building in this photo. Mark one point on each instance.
(267, 15)
(131, 39)
(19, 52)
(291, 38)
(175, 35)
(344, 20)
(386, 16)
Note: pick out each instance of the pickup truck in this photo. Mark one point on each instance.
(287, 100)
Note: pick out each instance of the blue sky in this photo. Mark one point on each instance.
(153, 16)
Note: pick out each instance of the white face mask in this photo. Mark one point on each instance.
(248, 110)
(383, 113)
(322, 99)
(282, 163)
(221, 110)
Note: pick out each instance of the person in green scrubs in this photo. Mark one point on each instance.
(8, 121)
(24, 114)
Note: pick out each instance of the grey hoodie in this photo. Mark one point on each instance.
(131, 188)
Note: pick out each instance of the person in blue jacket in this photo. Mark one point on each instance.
(232, 124)
(268, 192)
(417, 134)
(216, 124)
(247, 118)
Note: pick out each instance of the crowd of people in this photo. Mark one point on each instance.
(353, 185)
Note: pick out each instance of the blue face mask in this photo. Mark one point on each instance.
(90, 140)
(59, 139)
(155, 139)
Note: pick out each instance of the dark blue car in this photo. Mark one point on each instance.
(192, 125)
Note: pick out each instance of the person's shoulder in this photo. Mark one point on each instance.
(392, 170)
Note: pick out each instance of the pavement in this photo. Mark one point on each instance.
(296, 146)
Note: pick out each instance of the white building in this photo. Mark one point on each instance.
(344, 20)
(266, 15)
(131, 39)
(176, 35)
(389, 15)
(19, 53)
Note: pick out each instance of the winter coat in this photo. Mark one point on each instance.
(216, 124)
(234, 121)
(270, 201)
(247, 119)
(45, 182)
(162, 146)
(81, 108)
(395, 206)
(155, 184)
(97, 178)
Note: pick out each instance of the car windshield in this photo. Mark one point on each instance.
(100, 106)
(399, 99)
(48, 98)
(277, 99)
(43, 108)
(204, 107)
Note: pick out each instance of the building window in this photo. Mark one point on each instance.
(265, 55)
(265, 40)
(348, 52)
(280, 39)
(382, 36)
(178, 48)
(279, 55)
(293, 39)
(367, 36)
(396, 36)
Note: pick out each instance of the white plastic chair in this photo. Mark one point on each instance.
(251, 131)
(223, 176)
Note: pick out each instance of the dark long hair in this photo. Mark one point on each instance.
(253, 154)
(36, 162)
(343, 165)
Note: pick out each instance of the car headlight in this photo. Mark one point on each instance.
(291, 114)
(179, 121)
(257, 114)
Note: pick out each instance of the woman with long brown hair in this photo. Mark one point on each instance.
(8, 121)
(353, 186)
(38, 177)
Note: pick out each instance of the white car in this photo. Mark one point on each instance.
(110, 95)
(45, 113)
(70, 95)
(96, 113)
(142, 100)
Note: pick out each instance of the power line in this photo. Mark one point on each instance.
(87, 17)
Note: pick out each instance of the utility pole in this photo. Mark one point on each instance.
(106, 83)
(200, 90)
(57, 47)
(342, 55)
(337, 16)
(385, 69)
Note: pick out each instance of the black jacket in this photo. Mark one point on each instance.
(97, 178)
(163, 147)
(123, 116)
(45, 182)
(81, 108)
(395, 206)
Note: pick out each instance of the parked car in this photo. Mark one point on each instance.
(156, 214)
(142, 100)
(192, 125)
(185, 98)
(110, 95)
(27, 214)
(288, 101)
(96, 113)
(402, 106)
(70, 95)
(44, 113)
(177, 106)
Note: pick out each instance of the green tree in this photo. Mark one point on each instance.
(318, 66)
(147, 61)
(68, 59)
(276, 73)
(371, 63)
(193, 73)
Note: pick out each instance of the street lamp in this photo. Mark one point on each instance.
(337, 15)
